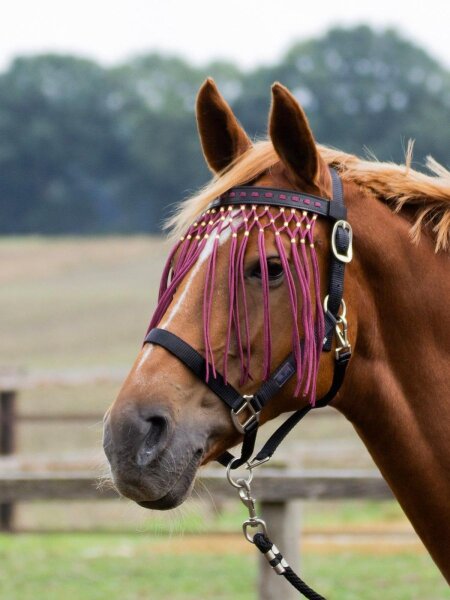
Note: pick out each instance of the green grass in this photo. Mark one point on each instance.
(136, 567)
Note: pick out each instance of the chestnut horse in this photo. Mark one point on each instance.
(166, 422)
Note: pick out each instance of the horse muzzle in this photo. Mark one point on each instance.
(152, 461)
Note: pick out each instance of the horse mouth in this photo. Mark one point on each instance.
(179, 490)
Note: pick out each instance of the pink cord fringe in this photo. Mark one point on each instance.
(304, 298)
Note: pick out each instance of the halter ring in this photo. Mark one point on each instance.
(240, 482)
(342, 306)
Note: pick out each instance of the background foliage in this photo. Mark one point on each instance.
(87, 149)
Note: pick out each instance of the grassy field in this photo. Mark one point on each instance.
(77, 303)
(67, 303)
(119, 567)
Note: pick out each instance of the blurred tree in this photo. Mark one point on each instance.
(362, 88)
(85, 149)
(62, 159)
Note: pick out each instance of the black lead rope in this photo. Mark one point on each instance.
(281, 567)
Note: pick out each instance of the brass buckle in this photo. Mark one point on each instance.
(252, 419)
(347, 257)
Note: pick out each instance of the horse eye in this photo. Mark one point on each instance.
(274, 270)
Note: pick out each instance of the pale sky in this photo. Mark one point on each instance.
(249, 32)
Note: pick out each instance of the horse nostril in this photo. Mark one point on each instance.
(158, 425)
(153, 441)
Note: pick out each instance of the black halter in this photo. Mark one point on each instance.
(249, 407)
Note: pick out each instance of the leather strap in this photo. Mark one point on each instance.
(268, 196)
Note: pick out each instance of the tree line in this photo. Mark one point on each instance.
(88, 149)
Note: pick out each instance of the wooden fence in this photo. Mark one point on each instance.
(12, 382)
(277, 490)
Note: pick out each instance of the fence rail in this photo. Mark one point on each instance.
(271, 485)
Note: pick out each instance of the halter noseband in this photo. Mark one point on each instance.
(245, 409)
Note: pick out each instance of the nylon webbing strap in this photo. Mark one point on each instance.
(337, 267)
(196, 363)
(278, 436)
(285, 428)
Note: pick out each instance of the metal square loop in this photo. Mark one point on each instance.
(252, 420)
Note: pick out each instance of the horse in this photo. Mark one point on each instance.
(244, 288)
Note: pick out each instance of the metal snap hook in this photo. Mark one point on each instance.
(253, 523)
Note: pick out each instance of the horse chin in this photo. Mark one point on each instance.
(180, 490)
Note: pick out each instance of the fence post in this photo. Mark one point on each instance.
(7, 446)
(283, 523)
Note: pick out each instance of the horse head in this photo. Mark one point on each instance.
(242, 286)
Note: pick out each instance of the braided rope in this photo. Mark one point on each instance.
(279, 564)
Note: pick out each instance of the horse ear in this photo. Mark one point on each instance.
(222, 137)
(292, 137)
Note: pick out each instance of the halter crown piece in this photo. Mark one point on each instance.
(235, 215)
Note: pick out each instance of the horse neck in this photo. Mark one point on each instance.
(396, 393)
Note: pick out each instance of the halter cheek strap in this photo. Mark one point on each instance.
(245, 409)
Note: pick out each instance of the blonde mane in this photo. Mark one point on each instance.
(397, 185)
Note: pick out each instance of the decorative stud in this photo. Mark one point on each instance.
(261, 230)
(246, 233)
(304, 213)
(189, 237)
(234, 234)
(311, 245)
(293, 240)
(314, 217)
(302, 241)
(277, 233)
(272, 220)
(182, 238)
(308, 226)
(197, 237)
(286, 224)
(253, 206)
